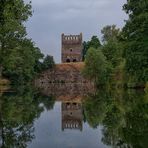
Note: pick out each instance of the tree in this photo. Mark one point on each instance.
(113, 52)
(110, 33)
(95, 66)
(112, 48)
(135, 34)
(18, 55)
(48, 63)
(12, 16)
(94, 43)
(19, 66)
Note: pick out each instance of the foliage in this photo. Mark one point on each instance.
(94, 43)
(112, 48)
(20, 63)
(135, 35)
(113, 52)
(110, 33)
(48, 63)
(19, 58)
(96, 67)
(146, 88)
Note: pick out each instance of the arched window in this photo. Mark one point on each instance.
(74, 60)
(68, 60)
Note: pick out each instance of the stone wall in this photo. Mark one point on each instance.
(66, 80)
(63, 73)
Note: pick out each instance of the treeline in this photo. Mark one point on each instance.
(20, 59)
(122, 55)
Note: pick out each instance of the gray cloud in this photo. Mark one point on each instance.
(53, 17)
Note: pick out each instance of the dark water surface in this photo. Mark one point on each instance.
(104, 118)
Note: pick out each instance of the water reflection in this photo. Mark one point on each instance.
(16, 120)
(104, 118)
(72, 115)
(18, 110)
(67, 91)
(123, 114)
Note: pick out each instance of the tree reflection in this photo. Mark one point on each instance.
(18, 112)
(95, 107)
(123, 114)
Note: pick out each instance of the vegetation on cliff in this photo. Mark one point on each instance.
(96, 66)
(106, 57)
(19, 57)
(126, 50)
(135, 35)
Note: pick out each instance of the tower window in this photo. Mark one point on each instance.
(68, 60)
(74, 60)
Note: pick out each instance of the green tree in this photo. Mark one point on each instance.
(19, 66)
(110, 33)
(48, 63)
(95, 66)
(135, 35)
(112, 48)
(94, 43)
(113, 52)
(13, 13)
(18, 55)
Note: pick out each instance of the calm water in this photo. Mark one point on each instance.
(100, 119)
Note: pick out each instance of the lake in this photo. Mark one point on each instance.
(31, 118)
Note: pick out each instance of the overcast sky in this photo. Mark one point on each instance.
(51, 18)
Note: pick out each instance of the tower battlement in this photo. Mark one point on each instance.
(71, 48)
(72, 38)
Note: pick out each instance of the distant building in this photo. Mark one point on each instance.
(72, 47)
(72, 116)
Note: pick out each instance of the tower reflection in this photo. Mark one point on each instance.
(72, 116)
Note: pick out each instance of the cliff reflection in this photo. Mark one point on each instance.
(67, 91)
(71, 96)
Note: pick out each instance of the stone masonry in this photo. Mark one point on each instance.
(72, 47)
(65, 80)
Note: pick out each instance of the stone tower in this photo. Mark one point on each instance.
(72, 47)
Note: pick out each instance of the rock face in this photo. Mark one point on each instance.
(64, 80)
(67, 91)
(63, 73)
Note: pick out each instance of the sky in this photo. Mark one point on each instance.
(51, 18)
